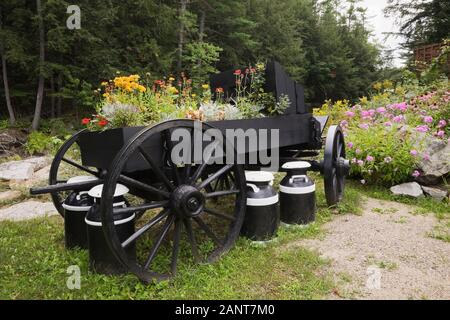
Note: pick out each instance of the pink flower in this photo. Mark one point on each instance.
(381, 110)
(365, 114)
(350, 145)
(360, 163)
(441, 133)
(370, 159)
(442, 124)
(398, 119)
(388, 159)
(428, 119)
(358, 151)
(364, 126)
(416, 174)
(371, 112)
(350, 114)
(388, 124)
(344, 123)
(413, 152)
(354, 161)
(400, 106)
(426, 157)
(422, 128)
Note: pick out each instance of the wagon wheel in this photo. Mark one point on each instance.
(335, 166)
(185, 210)
(56, 176)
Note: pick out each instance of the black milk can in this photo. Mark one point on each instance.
(101, 259)
(297, 194)
(76, 206)
(262, 217)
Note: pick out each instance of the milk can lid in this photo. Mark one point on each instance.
(81, 179)
(96, 192)
(297, 165)
(258, 176)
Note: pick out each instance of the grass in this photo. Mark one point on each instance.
(34, 262)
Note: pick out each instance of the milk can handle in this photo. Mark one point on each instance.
(254, 187)
(81, 193)
(291, 180)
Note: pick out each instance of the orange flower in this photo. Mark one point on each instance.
(85, 121)
(219, 90)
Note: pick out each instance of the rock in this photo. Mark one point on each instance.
(23, 169)
(28, 210)
(438, 164)
(412, 189)
(9, 195)
(435, 193)
(16, 170)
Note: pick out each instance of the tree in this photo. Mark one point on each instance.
(422, 21)
(12, 118)
(41, 81)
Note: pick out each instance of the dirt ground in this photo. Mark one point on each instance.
(385, 253)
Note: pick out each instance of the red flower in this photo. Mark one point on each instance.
(103, 122)
(247, 71)
(219, 90)
(237, 72)
(85, 121)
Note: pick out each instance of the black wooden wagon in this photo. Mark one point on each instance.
(205, 200)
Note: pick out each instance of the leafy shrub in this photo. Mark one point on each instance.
(384, 132)
(41, 143)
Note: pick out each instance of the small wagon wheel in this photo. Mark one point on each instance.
(335, 166)
(182, 205)
(62, 156)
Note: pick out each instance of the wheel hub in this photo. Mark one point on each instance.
(187, 201)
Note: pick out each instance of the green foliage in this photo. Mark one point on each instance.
(200, 60)
(40, 143)
(392, 161)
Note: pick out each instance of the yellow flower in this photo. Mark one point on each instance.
(194, 95)
(387, 84)
(142, 88)
(205, 86)
(171, 79)
(363, 100)
(172, 90)
(104, 84)
(378, 86)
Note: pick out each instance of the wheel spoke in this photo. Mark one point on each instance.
(220, 214)
(163, 214)
(198, 173)
(143, 186)
(79, 166)
(191, 237)
(159, 173)
(144, 207)
(208, 231)
(222, 193)
(176, 246)
(169, 144)
(187, 172)
(159, 240)
(215, 176)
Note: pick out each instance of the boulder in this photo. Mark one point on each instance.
(28, 210)
(9, 195)
(438, 164)
(412, 189)
(435, 193)
(23, 169)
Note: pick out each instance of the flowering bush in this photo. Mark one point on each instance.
(131, 101)
(385, 133)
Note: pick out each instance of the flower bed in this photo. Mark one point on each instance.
(134, 101)
(386, 133)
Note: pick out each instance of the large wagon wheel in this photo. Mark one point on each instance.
(184, 206)
(56, 175)
(335, 166)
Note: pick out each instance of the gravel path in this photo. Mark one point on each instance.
(385, 253)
